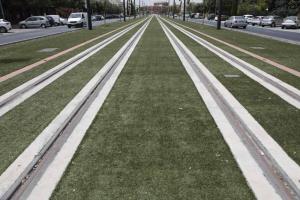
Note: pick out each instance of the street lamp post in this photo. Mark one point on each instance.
(183, 10)
(124, 11)
(219, 15)
(1, 10)
(174, 6)
(88, 7)
(134, 9)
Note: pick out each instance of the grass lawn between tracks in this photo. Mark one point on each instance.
(283, 53)
(84, 35)
(20, 126)
(280, 119)
(153, 138)
(16, 56)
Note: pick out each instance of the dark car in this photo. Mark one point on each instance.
(211, 16)
(51, 20)
(98, 17)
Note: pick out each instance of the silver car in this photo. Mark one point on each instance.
(272, 21)
(291, 22)
(256, 20)
(236, 21)
(35, 22)
(5, 26)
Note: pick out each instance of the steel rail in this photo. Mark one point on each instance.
(16, 96)
(285, 91)
(265, 175)
(65, 125)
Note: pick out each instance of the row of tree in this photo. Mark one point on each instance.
(16, 10)
(255, 7)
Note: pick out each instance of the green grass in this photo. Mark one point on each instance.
(153, 138)
(281, 120)
(16, 56)
(20, 126)
(283, 53)
(18, 80)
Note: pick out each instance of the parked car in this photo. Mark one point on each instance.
(272, 21)
(5, 26)
(77, 19)
(291, 22)
(34, 22)
(223, 18)
(211, 16)
(51, 21)
(99, 17)
(63, 21)
(255, 21)
(56, 19)
(236, 22)
(248, 17)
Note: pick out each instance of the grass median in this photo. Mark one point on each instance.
(277, 51)
(153, 138)
(20, 126)
(280, 119)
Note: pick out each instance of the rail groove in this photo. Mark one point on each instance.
(285, 91)
(63, 135)
(269, 171)
(16, 96)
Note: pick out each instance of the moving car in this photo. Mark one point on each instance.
(272, 21)
(77, 19)
(35, 22)
(5, 26)
(56, 19)
(291, 22)
(236, 21)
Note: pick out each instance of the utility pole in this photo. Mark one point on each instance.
(168, 8)
(219, 15)
(124, 10)
(1, 10)
(127, 7)
(174, 6)
(134, 9)
(139, 8)
(183, 10)
(88, 7)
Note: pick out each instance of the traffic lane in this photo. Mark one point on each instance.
(29, 34)
(272, 32)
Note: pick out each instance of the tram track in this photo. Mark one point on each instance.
(35, 173)
(269, 171)
(285, 91)
(13, 98)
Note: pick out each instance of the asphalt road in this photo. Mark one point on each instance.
(19, 35)
(275, 33)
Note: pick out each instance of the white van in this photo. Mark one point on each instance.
(77, 19)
